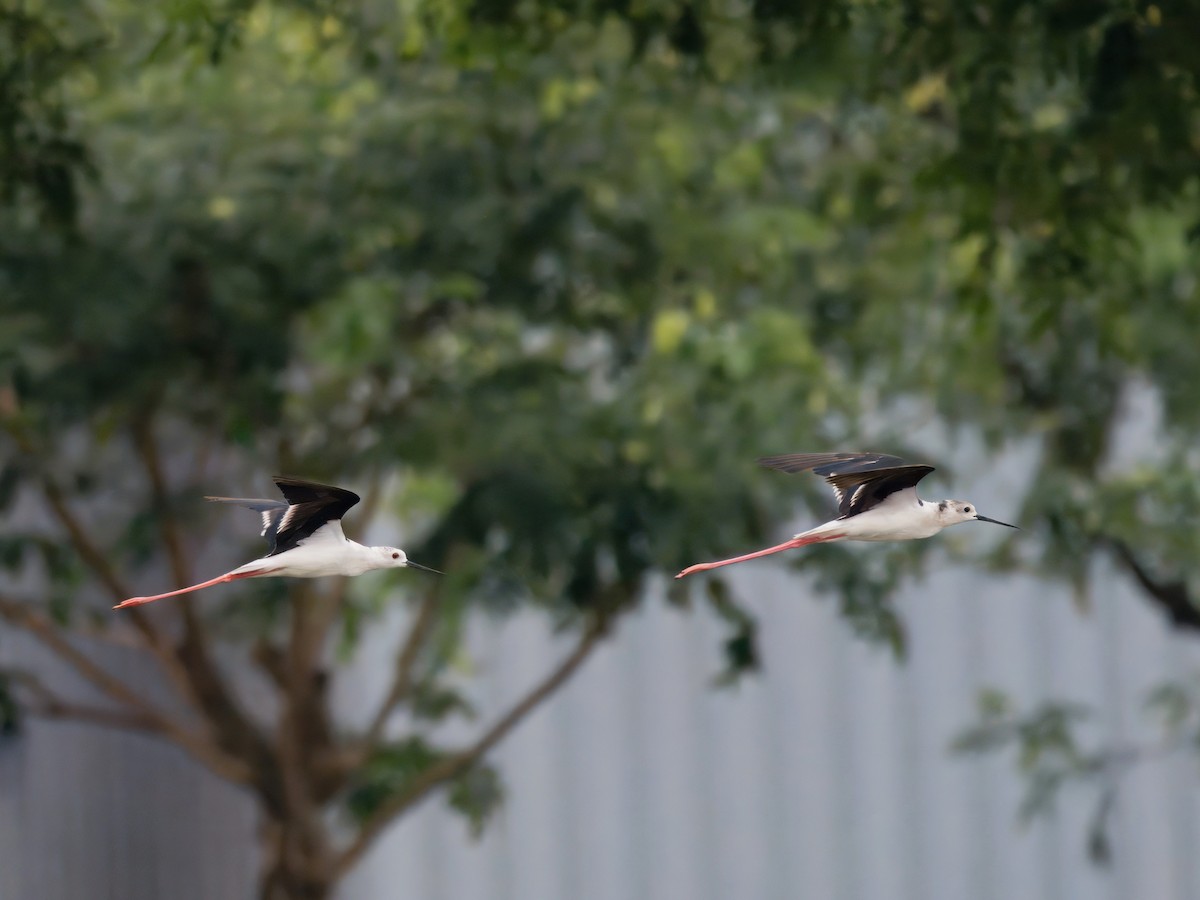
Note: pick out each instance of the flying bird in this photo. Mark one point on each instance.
(304, 532)
(877, 499)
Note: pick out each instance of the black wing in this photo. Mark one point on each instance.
(309, 506)
(860, 480)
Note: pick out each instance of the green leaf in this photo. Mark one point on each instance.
(435, 703)
(389, 772)
(477, 794)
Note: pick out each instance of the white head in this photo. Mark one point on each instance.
(395, 558)
(951, 512)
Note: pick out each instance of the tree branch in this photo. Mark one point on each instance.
(1172, 596)
(201, 679)
(305, 728)
(452, 766)
(47, 704)
(154, 640)
(94, 715)
(403, 677)
(147, 448)
(49, 636)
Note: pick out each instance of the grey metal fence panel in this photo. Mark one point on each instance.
(828, 776)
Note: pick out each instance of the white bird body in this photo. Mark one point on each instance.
(901, 516)
(306, 538)
(327, 552)
(877, 496)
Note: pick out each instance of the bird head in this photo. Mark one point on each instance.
(395, 558)
(951, 512)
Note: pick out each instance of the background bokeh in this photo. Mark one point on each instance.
(540, 280)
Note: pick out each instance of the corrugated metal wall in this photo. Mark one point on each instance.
(827, 777)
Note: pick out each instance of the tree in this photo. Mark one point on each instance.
(337, 270)
(546, 278)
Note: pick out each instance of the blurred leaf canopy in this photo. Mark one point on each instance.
(568, 267)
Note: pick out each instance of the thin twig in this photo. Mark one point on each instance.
(168, 527)
(87, 550)
(47, 704)
(95, 715)
(108, 637)
(452, 766)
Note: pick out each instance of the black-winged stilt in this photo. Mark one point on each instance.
(877, 499)
(306, 539)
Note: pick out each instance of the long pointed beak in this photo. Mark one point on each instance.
(980, 518)
(413, 565)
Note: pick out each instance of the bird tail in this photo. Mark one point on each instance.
(251, 503)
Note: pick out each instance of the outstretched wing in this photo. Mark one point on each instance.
(309, 505)
(860, 481)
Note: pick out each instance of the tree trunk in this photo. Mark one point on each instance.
(297, 864)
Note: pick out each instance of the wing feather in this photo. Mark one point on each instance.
(307, 507)
(310, 505)
(860, 481)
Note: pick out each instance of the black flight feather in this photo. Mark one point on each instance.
(861, 481)
(309, 506)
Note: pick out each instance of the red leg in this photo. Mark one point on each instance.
(786, 545)
(228, 576)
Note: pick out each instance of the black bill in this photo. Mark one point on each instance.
(995, 521)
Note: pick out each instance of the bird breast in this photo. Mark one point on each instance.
(893, 522)
(317, 559)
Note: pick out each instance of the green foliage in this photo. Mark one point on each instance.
(41, 155)
(466, 276)
(390, 771)
(395, 768)
(434, 703)
(1051, 756)
(741, 647)
(1048, 757)
(477, 794)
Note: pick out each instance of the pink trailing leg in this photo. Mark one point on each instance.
(221, 579)
(800, 541)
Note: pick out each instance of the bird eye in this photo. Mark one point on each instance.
(397, 555)
(966, 509)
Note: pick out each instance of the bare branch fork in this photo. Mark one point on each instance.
(152, 639)
(47, 634)
(231, 744)
(452, 766)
